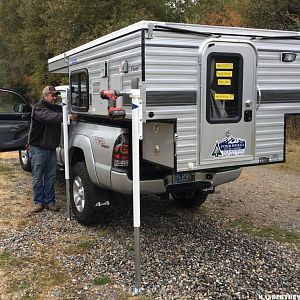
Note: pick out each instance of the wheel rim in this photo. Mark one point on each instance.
(78, 194)
(24, 157)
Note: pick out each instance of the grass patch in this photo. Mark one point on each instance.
(79, 248)
(292, 162)
(19, 285)
(140, 298)
(101, 280)
(273, 232)
(35, 297)
(41, 275)
(279, 234)
(243, 225)
(292, 156)
(130, 248)
(5, 168)
(202, 210)
(7, 260)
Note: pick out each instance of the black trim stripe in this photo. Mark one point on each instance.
(280, 96)
(173, 46)
(143, 54)
(260, 49)
(176, 98)
(171, 98)
(166, 98)
(218, 34)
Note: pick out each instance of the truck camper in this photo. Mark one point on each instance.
(215, 99)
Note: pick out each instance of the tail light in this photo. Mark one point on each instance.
(120, 152)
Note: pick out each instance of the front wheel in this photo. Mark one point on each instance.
(189, 198)
(25, 161)
(83, 196)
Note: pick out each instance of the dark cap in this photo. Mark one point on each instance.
(49, 89)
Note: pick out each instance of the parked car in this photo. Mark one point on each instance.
(15, 114)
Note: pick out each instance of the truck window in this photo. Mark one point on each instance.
(79, 90)
(12, 103)
(224, 88)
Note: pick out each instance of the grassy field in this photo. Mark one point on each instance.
(292, 145)
(292, 156)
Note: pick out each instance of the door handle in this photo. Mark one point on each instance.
(248, 103)
(17, 127)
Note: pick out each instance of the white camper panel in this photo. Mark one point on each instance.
(163, 59)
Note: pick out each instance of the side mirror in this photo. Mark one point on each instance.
(21, 108)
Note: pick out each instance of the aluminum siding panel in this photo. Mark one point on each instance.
(171, 64)
(125, 48)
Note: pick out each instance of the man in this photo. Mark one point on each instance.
(44, 137)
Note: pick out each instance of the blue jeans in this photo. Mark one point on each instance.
(43, 165)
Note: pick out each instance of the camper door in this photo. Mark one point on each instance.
(227, 104)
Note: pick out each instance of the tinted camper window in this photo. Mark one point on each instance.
(224, 88)
(79, 90)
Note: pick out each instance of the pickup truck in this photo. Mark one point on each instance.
(101, 163)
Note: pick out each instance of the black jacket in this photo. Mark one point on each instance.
(45, 125)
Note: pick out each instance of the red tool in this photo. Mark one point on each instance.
(115, 113)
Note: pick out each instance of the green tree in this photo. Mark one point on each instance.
(214, 12)
(32, 31)
(271, 14)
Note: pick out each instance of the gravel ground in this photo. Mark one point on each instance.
(186, 254)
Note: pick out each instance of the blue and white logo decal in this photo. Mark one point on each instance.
(73, 60)
(229, 146)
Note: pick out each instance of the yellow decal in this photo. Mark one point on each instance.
(224, 81)
(224, 73)
(224, 66)
(224, 96)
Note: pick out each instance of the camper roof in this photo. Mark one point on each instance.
(58, 66)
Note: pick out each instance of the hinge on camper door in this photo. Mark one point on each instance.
(149, 34)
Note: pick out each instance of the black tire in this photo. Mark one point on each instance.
(189, 198)
(83, 195)
(25, 161)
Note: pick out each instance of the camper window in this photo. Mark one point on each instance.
(224, 88)
(79, 90)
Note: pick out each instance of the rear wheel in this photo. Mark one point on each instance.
(189, 198)
(25, 160)
(83, 196)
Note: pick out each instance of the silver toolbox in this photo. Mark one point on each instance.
(159, 143)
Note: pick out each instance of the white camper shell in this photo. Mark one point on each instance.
(213, 97)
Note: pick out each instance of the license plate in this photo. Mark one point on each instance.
(184, 177)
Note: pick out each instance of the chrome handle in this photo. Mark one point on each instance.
(248, 103)
(259, 97)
